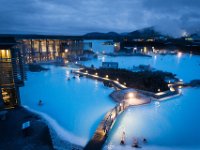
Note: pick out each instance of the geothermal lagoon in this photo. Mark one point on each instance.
(77, 106)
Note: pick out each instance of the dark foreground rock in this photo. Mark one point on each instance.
(12, 137)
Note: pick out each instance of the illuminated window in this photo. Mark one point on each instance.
(5, 54)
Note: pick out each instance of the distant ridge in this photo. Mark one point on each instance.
(149, 32)
(98, 35)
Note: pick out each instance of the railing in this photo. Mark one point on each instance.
(107, 123)
(105, 126)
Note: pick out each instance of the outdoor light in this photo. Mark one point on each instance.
(66, 50)
(96, 74)
(172, 89)
(113, 115)
(67, 73)
(158, 90)
(103, 59)
(179, 87)
(179, 54)
(106, 76)
(117, 79)
(130, 95)
(86, 71)
(124, 83)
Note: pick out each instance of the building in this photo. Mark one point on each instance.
(12, 74)
(193, 38)
(16, 50)
(113, 65)
(42, 48)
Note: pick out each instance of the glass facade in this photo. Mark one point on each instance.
(14, 54)
(45, 49)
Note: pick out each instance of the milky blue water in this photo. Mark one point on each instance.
(185, 66)
(99, 47)
(173, 124)
(77, 106)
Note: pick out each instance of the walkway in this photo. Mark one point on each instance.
(107, 123)
(159, 96)
(113, 82)
(101, 134)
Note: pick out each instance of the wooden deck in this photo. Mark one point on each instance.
(101, 133)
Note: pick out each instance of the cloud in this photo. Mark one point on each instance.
(174, 17)
(82, 16)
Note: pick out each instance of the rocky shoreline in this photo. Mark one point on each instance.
(12, 136)
(40, 134)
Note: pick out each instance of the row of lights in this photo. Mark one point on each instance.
(107, 77)
(124, 82)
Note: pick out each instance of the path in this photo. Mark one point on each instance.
(101, 134)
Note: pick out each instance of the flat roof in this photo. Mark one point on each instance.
(37, 36)
(7, 42)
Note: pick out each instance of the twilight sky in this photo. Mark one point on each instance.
(73, 17)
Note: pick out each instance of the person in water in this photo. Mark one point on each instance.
(123, 139)
(40, 102)
(144, 140)
(135, 143)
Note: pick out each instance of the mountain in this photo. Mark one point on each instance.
(94, 34)
(113, 34)
(98, 35)
(143, 33)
